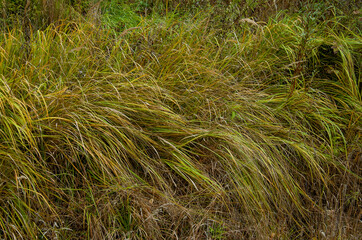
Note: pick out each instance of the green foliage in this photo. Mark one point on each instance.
(13, 11)
(216, 231)
(119, 16)
(82, 6)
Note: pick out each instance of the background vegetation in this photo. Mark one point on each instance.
(180, 119)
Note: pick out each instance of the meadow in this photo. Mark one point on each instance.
(180, 120)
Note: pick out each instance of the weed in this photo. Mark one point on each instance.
(167, 126)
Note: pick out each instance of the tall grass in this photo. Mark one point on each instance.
(177, 130)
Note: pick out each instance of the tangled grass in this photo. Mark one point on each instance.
(176, 130)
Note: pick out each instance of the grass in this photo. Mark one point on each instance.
(173, 128)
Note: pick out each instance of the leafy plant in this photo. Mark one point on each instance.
(119, 16)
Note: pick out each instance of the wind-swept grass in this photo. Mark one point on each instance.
(176, 130)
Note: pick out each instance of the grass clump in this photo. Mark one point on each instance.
(172, 128)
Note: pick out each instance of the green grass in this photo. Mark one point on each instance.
(173, 128)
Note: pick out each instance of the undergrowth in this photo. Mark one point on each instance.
(170, 127)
